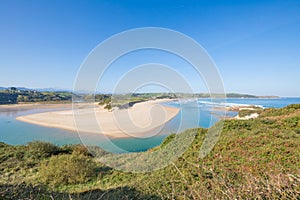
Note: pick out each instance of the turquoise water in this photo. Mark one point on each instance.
(266, 103)
(15, 132)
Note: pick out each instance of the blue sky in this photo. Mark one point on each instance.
(255, 44)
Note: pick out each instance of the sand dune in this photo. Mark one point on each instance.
(141, 120)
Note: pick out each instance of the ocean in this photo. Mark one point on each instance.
(199, 113)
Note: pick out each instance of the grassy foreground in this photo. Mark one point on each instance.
(253, 159)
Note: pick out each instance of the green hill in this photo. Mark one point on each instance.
(253, 159)
(13, 96)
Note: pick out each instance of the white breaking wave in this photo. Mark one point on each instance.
(225, 104)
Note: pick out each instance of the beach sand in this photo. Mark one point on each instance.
(141, 120)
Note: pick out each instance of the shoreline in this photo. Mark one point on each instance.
(29, 106)
(142, 119)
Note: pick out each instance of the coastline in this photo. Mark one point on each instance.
(26, 106)
(142, 119)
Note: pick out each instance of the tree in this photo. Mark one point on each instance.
(13, 89)
(20, 98)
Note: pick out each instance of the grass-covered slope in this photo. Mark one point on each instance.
(253, 159)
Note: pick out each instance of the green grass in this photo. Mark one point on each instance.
(253, 159)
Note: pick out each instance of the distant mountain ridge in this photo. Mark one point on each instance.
(38, 89)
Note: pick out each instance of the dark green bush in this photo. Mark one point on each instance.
(244, 113)
(168, 139)
(38, 149)
(67, 169)
(294, 106)
(268, 121)
(81, 150)
(108, 107)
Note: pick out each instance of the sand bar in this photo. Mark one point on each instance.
(141, 120)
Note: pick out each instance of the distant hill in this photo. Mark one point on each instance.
(52, 90)
(16, 95)
(269, 97)
(38, 89)
(18, 88)
(228, 95)
(237, 95)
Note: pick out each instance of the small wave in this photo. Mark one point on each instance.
(202, 103)
(226, 104)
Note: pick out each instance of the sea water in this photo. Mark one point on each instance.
(198, 113)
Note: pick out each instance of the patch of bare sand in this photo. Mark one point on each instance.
(141, 120)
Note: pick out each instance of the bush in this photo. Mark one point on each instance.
(67, 169)
(38, 149)
(244, 113)
(292, 122)
(81, 150)
(108, 107)
(294, 106)
(168, 139)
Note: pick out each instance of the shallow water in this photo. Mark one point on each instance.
(193, 114)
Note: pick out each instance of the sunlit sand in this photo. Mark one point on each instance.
(141, 120)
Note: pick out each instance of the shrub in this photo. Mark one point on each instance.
(292, 122)
(97, 152)
(268, 121)
(294, 106)
(67, 169)
(167, 140)
(244, 113)
(38, 149)
(81, 150)
(108, 107)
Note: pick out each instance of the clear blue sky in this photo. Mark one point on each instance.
(255, 44)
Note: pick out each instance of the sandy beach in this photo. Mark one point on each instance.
(141, 120)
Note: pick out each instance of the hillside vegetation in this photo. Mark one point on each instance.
(253, 159)
(13, 96)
